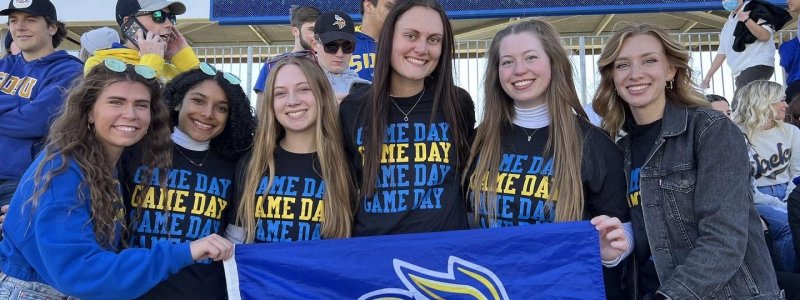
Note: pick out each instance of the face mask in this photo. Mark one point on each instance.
(730, 5)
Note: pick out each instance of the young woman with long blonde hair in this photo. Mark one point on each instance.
(536, 157)
(295, 184)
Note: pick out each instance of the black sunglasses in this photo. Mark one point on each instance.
(159, 16)
(333, 47)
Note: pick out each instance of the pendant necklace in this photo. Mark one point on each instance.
(192, 161)
(532, 133)
(405, 114)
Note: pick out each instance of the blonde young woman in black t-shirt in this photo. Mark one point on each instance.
(536, 158)
(295, 184)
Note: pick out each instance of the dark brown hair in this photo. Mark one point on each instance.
(445, 93)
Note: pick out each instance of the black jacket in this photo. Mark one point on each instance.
(771, 14)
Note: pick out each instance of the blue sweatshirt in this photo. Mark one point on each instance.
(55, 243)
(790, 60)
(32, 93)
(363, 60)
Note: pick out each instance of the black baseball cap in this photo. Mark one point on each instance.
(335, 25)
(127, 8)
(43, 8)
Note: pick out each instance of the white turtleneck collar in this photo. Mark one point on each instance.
(535, 117)
(187, 142)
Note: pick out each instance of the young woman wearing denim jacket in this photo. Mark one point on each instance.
(703, 234)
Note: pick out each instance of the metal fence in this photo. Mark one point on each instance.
(470, 64)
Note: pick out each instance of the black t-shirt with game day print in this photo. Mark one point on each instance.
(192, 205)
(526, 174)
(642, 138)
(525, 179)
(418, 186)
(292, 208)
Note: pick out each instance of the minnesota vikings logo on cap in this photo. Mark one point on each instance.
(339, 22)
(22, 3)
(334, 25)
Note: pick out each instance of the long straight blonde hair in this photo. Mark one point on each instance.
(339, 195)
(565, 141)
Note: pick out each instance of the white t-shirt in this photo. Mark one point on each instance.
(774, 159)
(757, 53)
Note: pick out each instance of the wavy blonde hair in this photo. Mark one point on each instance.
(70, 138)
(339, 187)
(753, 112)
(610, 106)
(565, 142)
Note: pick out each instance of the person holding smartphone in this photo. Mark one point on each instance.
(334, 42)
(149, 37)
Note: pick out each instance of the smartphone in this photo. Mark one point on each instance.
(130, 27)
(357, 85)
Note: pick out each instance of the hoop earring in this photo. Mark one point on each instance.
(670, 83)
(89, 127)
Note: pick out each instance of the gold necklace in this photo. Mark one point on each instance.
(190, 160)
(530, 135)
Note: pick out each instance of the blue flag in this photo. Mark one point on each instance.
(545, 261)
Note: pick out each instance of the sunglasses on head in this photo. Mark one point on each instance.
(159, 16)
(296, 54)
(119, 66)
(212, 71)
(333, 47)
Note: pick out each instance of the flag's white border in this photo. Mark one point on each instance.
(232, 277)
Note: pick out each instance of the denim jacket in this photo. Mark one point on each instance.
(702, 228)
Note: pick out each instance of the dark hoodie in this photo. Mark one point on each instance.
(31, 93)
(759, 10)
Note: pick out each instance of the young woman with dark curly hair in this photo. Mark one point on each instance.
(213, 125)
(64, 234)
